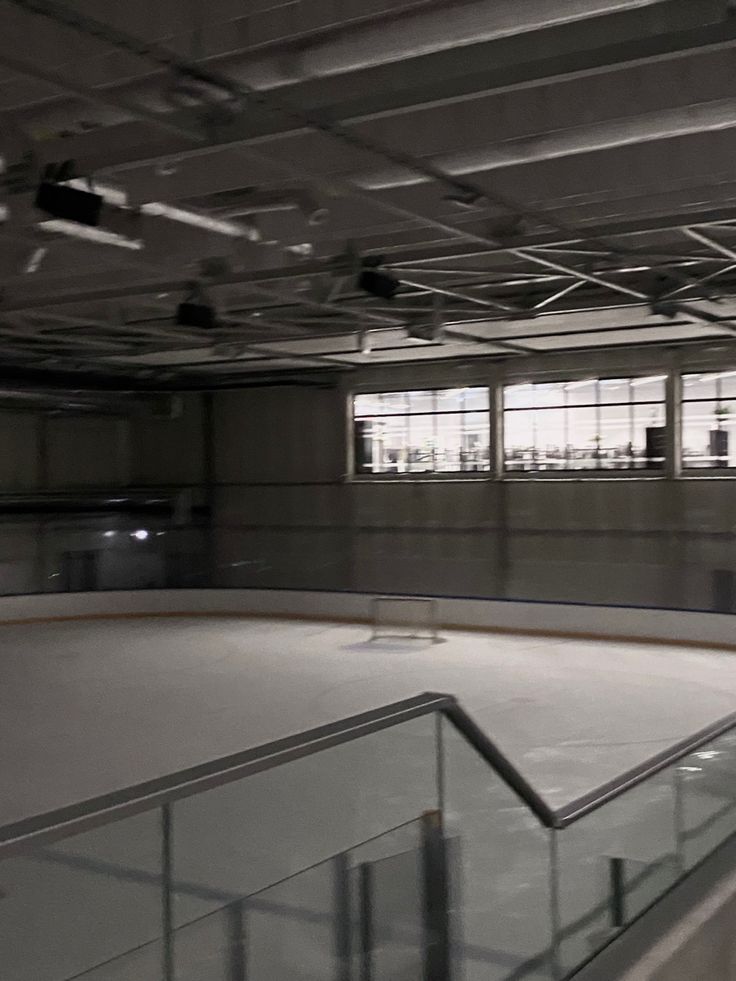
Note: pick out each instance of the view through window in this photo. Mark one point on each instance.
(709, 420)
(591, 424)
(436, 431)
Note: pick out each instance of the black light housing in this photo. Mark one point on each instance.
(69, 203)
(378, 284)
(193, 314)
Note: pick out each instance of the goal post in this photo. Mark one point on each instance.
(412, 617)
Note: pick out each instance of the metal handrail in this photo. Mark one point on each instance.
(84, 815)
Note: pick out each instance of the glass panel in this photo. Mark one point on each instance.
(476, 399)
(518, 396)
(550, 395)
(70, 906)
(450, 400)
(394, 402)
(291, 929)
(387, 886)
(614, 390)
(449, 442)
(727, 385)
(699, 386)
(615, 427)
(234, 840)
(550, 439)
(421, 401)
(422, 455)
(519, 440)
(650, 436)
(474, 455)
(706, 784)
(702, 445)
(634, 834)
(143, 964)
(503, 875)
(583, 439)
(582, 392)
(648, 389)
(366, 405)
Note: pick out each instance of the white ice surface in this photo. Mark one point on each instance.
(88, 707)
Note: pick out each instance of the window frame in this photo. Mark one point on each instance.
(648, 472)
(702, 473)
(419, 476)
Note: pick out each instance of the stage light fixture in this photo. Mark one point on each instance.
(69, 203)
(378, 284)
(194, 314)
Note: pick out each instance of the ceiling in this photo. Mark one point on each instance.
(537, 175)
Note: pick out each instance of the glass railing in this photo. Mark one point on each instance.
(398, 844)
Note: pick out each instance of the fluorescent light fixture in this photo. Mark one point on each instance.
(89, 233)
(110, 195)
(650, 379)
(718, 375)
(109, 534)
(631, 269)
(581, 384)
(208, 224)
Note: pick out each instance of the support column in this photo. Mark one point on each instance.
(673, 409)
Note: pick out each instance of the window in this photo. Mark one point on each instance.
(709, 420)
(592, 424)
(438, 431)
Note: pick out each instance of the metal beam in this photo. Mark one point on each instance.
(597, 45)
(698, 236)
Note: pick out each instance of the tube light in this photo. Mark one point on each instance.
(581, 384)
(648, 380)
(91, 234)
(160, 209)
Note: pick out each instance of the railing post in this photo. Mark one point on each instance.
(167, 897)
(436, 899)
(555, 917)
(618, 892)
(679, 818)
(236, 941)
(367, 938)
(343, 919)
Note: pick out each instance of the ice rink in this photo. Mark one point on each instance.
(90, 706)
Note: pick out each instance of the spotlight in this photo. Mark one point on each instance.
(378, 284)
(196, 310)
(191, 314)
(141, 534)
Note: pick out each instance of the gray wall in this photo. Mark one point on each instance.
(41, 451)
(292, 517)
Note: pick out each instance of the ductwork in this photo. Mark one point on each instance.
(393, 38)
(648, 127)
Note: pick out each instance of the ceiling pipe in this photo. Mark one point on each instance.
(390, 38)
(650, 127)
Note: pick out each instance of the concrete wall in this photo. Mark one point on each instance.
(40, 451)
(292, 517)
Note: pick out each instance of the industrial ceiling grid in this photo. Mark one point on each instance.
(347, 184)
